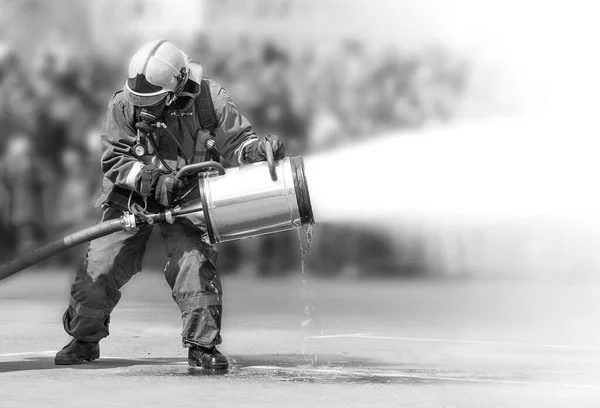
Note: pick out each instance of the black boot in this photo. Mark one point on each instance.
(207, 358)
(76, 352)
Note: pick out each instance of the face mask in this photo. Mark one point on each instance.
(156, 111)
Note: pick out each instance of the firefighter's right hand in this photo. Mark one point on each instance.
(166, 189)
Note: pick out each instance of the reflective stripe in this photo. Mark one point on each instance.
(240, 150)
(199, 301)
(86, 311)
(133, 173)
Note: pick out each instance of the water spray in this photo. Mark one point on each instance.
(484, 172)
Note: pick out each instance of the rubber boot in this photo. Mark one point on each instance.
(77, 352)
(208, 359)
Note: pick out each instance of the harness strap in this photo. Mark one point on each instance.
(208, 116)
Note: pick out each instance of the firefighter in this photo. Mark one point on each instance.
(166, 116)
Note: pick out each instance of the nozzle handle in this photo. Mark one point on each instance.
(271, 161)
(197, 167)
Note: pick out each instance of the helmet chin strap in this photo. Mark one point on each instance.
(182, 78)
(171, 97)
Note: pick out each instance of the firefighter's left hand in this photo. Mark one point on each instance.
(257, 152)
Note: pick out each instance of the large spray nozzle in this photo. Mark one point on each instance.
(244, 203)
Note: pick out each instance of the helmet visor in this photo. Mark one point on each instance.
(138, 99)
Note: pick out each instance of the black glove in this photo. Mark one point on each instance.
(257, 151)
(166, 188)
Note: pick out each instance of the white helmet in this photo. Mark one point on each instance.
(158, 69)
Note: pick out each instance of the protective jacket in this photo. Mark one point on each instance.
(123, 172)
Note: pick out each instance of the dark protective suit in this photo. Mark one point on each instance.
(191, 270)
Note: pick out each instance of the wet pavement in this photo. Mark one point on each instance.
(367, 343)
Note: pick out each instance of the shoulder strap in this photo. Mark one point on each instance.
(208, 116)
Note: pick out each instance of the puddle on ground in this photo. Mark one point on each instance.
(328, 369)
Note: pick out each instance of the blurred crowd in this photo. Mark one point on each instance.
(315, 99)
(47, 110)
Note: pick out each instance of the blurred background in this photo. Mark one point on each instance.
(321, 74)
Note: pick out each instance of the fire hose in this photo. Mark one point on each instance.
(236, 204)
(58, 246)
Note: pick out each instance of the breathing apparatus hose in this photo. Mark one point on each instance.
(58, 246)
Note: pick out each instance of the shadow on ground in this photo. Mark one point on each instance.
(47, 363)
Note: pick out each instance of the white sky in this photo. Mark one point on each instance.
(547, 49)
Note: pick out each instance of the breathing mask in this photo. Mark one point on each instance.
(145, 128)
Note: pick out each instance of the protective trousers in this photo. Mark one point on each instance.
(111, 262)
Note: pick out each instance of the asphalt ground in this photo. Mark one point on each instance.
(299, 341)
